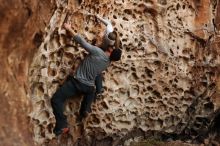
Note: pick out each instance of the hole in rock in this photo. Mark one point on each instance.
(126, 19)
(45, 47)
(95, 120)
(42, 133)
(38, 39)
(159, 123)
(140, 44)
(193, 132)
(149, 72)
(152, 11)
(174, 85)
(158, 63)
(209, 107)
(43, 58)
(143, 39)
(50, 127)
(79, 2)
(51, 72)
(134, 16)
(133, 68)
(104, 105)
(166, 89)
(170, 109)
(211, 86)
(180, 90)
(36, 121)
(151, 99)
(149, 88)
(162, 108)
(86, 28)
(171, 51)
(121, 27)
(134, 75)
(202, 121)
(44, 122)
(178, 6)
(60, 52)
(124, 40)
(156, 93)
(184, 6)
(172, 101)
(68, 55)
(176, 80)
(108, 126)
(128, 11)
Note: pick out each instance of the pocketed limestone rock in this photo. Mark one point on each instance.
(166, 81)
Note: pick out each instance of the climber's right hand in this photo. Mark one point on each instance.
(67, 26)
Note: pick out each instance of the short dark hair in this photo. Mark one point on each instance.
(112, 35)
(115, 55)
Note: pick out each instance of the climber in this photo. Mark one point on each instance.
(82, 81)
(110, 38)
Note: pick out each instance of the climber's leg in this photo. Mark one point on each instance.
(98, 85)
(68, 89)
(89, 93)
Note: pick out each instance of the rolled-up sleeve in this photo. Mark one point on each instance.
(109, 27)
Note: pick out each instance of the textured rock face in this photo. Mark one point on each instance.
(21, 22)
(167, 80)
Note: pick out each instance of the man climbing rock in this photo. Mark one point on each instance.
(83, 80)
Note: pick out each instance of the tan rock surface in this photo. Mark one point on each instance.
(167, 81)
(164, 82)
(21, 22)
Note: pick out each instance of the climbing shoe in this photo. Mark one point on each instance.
(61, 131)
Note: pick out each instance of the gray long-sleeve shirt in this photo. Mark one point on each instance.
(94, 63)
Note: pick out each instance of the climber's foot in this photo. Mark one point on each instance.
(61, 131)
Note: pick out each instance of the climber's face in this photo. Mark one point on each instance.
(110, 49)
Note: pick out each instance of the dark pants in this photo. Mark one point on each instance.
(70, 88)
(98, 83)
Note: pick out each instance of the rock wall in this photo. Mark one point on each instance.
(167, 80)
(166, 83)
(22, 23)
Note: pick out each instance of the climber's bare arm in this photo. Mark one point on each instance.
(105, 21)
(68, 27)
